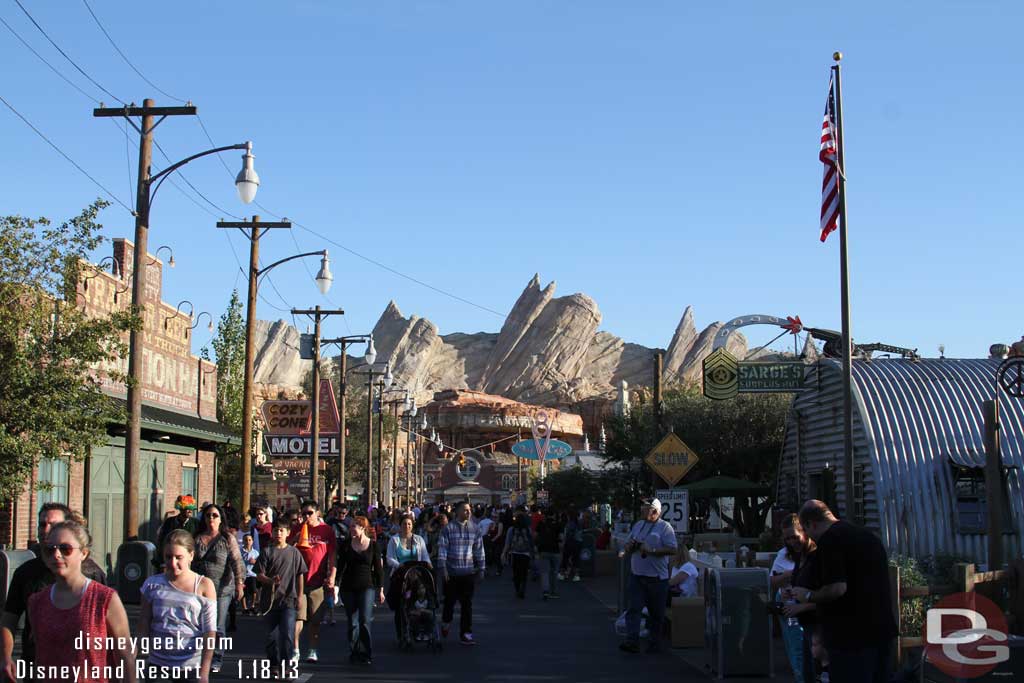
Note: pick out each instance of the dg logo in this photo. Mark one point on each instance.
(721, 375)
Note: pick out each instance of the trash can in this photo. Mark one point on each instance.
(134, 566)
(739, 628)
(588, 549)
(10, 560)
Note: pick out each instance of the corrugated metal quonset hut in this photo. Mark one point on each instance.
(918, 452)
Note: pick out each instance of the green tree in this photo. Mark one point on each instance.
(229, 347)
(51, 402)
(570, 489)
(741, 437)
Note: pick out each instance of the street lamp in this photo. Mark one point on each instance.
(370, 358)
(406, 402)
(192, 312)
(247, 181)
(324, 279)
(371, 353)
(146, 189)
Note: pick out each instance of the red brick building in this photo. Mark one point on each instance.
(482, 428)
(179, 427)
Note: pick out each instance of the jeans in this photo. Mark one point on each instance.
(459, 588)
(359, 610)
(520, 572)
(860, 665)
(570, 558)
(650, 592)
(548, 563)
(793, 637)
(223, 607)
(281, 629)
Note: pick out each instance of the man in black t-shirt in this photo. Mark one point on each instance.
(29, 578)
(854, 601)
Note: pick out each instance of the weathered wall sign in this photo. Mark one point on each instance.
(171, 376)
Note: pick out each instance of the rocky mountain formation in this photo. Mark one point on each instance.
(548, 352)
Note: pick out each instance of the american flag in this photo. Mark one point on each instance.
(829, 156)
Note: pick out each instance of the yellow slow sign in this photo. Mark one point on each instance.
(671, 459)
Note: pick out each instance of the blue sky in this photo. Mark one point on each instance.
(649, 154)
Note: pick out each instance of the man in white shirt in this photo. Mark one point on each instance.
(652, 541)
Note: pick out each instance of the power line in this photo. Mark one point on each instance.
(44, 61)
(456, 297)
(65, 54)
(351, 251)
(125, 58)
(220, 158)
(69, 159)
(128, 155)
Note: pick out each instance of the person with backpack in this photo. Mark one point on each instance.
(548, 532)
(520, 550)
(571, 548)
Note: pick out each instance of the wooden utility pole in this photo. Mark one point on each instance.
(343, 427)
(318, 314)
(253, 231)
(133, 432)
(380, 444)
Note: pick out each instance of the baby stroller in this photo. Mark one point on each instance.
(412, 596)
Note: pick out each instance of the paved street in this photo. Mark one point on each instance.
(570, 639)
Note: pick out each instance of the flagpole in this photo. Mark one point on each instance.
(844, 276)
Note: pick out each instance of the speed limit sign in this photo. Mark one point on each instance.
(675, 508)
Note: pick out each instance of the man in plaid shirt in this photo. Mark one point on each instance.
(460, 559)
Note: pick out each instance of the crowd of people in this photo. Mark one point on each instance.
(294, 568)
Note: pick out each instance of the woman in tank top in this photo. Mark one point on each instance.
(76, 608)
(179, 606)
(405, 546)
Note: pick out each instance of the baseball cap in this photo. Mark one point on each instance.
(654, 503)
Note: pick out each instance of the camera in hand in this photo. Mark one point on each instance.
(776, 607)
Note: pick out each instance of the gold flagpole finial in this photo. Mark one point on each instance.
(837, 56)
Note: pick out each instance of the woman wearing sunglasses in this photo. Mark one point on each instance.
(179, 606)
(218, 557)
(75, 605)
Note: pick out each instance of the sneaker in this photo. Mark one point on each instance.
(629, 646)
(295, 658)
(215, 668)
(311, 657)
(467, 639)
(445, 629)
(576, 579)
(561, 576)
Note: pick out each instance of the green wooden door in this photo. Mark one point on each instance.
(106, 504)
(106, 500)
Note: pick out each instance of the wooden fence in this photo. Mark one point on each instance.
(1004, 587)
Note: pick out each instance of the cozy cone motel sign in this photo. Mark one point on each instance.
(671, 459)
(288, 426)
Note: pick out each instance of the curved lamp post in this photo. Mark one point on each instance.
(253, 231)
(147, 187)
(370, 374)
(370, 358)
